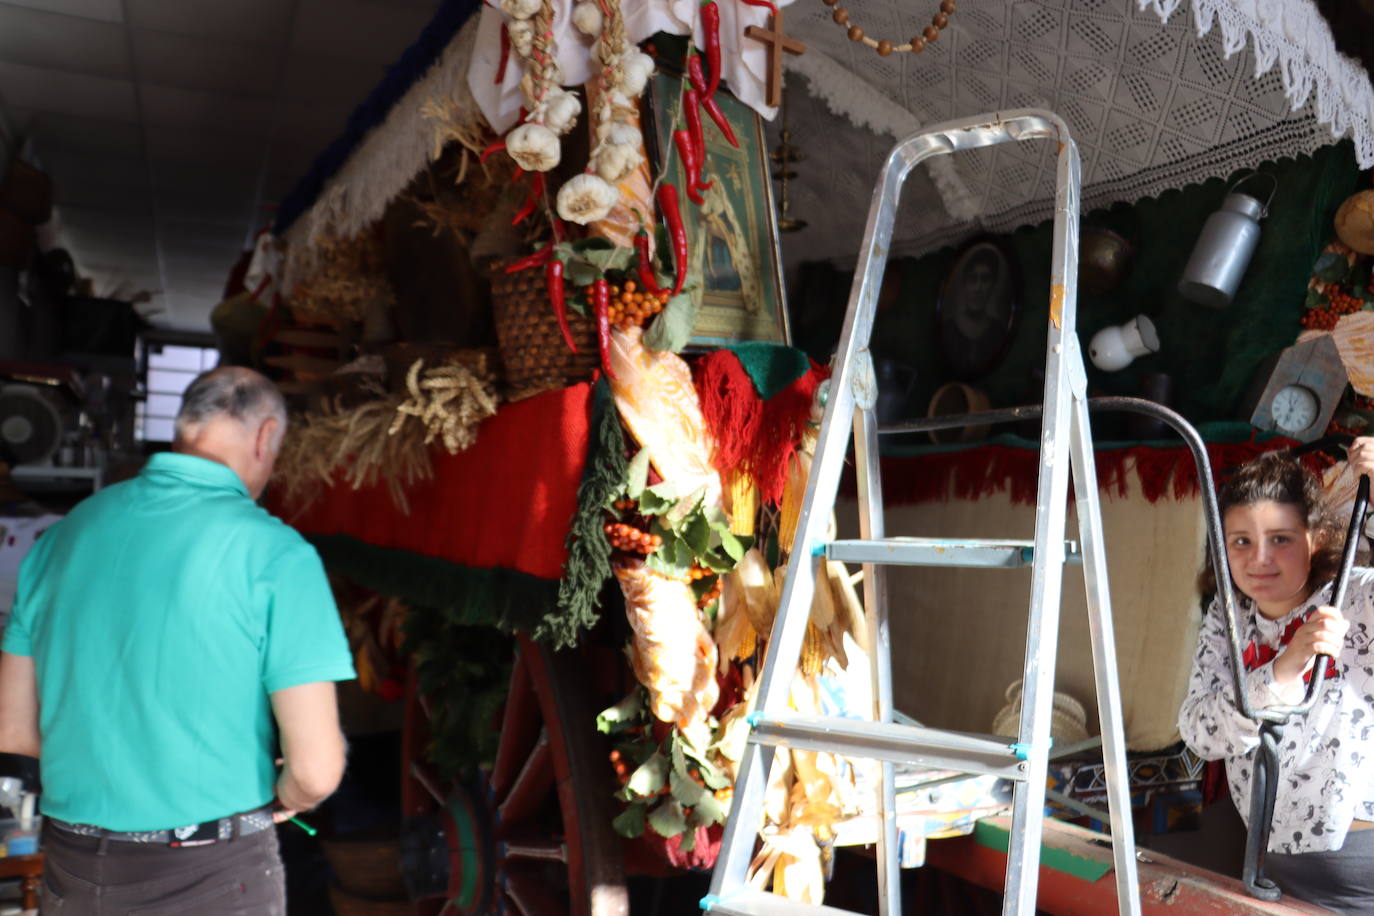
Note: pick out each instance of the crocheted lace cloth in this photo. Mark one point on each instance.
(1155, 96)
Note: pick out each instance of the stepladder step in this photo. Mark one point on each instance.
(908, 551)
(761, 903)
(946, 750)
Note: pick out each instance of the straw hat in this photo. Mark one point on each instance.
(1068, 718)
(1355, 222)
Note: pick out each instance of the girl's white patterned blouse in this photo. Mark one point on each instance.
(1326, 758)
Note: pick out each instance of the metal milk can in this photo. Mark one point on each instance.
(1223, 250)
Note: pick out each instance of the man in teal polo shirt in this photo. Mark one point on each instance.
(163, 634)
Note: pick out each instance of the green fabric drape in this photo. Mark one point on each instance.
(1210, 354)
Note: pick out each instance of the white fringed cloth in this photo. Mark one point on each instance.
(1156, 96)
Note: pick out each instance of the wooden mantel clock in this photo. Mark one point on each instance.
(1302, 391)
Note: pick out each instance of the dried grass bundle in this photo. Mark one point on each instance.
(348, 279)
(450, 400)
(356, 443)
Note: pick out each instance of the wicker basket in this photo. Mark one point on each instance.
(532, 349)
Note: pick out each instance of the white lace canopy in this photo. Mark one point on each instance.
(1156, 97)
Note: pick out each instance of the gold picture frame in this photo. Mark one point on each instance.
(732, 237)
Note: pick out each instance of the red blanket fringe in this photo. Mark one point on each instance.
(751, 434)
(978, 472)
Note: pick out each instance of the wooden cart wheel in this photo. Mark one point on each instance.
(534, 838)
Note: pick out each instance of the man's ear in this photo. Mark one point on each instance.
(262, 443)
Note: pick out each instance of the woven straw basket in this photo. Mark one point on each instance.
(1068, 718)
(533, 353)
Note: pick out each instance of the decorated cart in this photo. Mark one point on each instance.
(556, 411)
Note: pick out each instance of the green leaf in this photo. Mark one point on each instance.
(735, 545)
(622, 715)
(647, 779)
(717, 561)
(1330, 267)
(637, 474)
(667, 820)
(685, 788)
(709, 810)
(580, 273)
(697, 533)
(605, 259)
(1315, 299)
(653, 502)
(630, 822)
(672, 329)
(688, 841)
(677, 515)
(673, 558)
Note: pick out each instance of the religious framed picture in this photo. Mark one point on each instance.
(977, 308)
(734, 262)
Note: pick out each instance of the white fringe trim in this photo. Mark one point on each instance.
(1293, 34)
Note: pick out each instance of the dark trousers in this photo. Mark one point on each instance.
(1341, 880)
(91, 876)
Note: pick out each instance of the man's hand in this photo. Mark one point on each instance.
(1322, 634)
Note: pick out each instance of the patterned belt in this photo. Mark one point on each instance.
(193, 835)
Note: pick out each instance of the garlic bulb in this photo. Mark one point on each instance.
(561, 110)
(588, 19)
(616, 160)
(521, 32)
(520, 9)
(585, 199)
(533, 147)
(637, 68)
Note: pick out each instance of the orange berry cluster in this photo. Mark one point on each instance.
(630, 538)
(1324, 317)
(630, 306)
(713, 594)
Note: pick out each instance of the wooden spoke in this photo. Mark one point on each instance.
(428, 781)
(531, 788)
(520, 724)
(545, 850)
(529, 893)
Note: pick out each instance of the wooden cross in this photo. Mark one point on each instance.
(777, 43)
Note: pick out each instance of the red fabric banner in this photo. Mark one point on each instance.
(1167, 472)
(506, 502)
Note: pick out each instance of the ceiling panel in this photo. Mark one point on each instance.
(312, 76)
(211, 147)
(263, 22)
(198, 63)
(100, 136)
(64, 92)
(62, 42)
(107, 10)
(169, 107)
(358, 30)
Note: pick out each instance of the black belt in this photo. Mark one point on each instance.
(202, 834)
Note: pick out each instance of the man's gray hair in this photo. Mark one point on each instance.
(235, 392)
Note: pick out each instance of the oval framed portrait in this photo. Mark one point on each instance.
(978, 306)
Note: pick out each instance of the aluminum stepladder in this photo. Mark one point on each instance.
(1066, 443)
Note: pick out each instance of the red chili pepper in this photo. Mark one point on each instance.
(698, 80)
(646, 264)
(553, 282)
(672, 218)
(690, 103)
(494, 148)
(710, 30)
(505, 54)
(538, 259)
(690, 165)
(765, 4)
(536, 192)
(601, 305)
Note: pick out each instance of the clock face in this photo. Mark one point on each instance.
(1294, 408)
